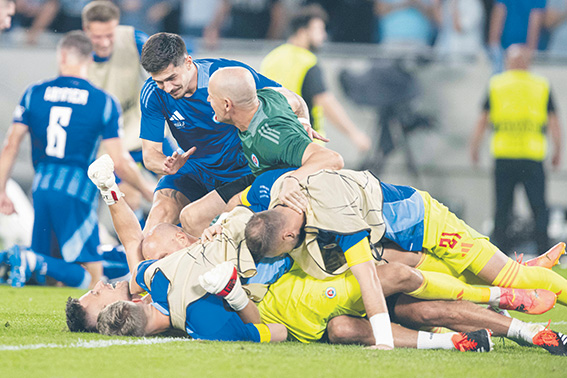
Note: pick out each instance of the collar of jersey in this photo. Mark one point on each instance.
(259, 116)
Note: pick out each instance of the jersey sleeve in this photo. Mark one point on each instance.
(22, 112)
(140, 37)
(313, 84)
(152, 125)
(207, 319)
(291, 146)
(257, 195)
(356, 248)
(140, 271)
(111, 118)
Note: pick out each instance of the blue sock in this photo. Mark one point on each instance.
(115, 264)
(71, 274)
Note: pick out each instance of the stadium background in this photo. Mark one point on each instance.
(451, 92)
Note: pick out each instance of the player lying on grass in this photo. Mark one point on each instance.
(350, 213)
(90, 304)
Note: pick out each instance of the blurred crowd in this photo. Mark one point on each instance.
(451, 26)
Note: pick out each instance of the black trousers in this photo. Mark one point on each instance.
(508, 173)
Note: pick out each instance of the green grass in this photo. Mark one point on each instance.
(34, 315)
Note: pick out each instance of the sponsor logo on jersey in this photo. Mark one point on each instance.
(330, 292)
(255, 160)
(19, 112)
(177, 119)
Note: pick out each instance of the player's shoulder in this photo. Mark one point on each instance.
(40, 85)
(149, 91)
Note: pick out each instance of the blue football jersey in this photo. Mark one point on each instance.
(206, 318)
(191, 120)
(67, 118)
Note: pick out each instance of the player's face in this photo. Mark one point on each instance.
(176, 80)
(317, 33)
(101, 35)
(7, 11)
(102, 295)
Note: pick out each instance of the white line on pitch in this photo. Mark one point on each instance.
(97, 343)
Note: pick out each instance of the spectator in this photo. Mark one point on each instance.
(61, 15)
(295, 66)
(251, 19)
(556, 24)
(460, 31)
(520, 107)
(349, 20)
(512, 22)
(146, 15)
(406, 22)
(7, 10)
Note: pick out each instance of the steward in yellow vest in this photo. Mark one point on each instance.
(520, 108)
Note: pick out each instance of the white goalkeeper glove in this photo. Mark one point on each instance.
(223, 281)
(101, 173)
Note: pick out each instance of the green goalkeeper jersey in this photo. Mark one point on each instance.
(275, 138)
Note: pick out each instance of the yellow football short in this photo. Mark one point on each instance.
(452, 240)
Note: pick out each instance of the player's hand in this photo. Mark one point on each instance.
(291, 195)
(210, 232)
(6, 205)
(223, 281)
(312, 133)
(556, 159)
(101, 172)
(174, 162)
(379, 347)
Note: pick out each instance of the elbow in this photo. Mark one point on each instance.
(336, 160)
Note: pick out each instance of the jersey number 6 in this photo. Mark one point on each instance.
(56, 135)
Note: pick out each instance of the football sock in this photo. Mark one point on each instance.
(532, 277)
(70, 274)
(442, 286)
(114, 264)
(428, 340)
(523, 331)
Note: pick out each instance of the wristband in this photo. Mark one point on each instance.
(304, 120)
(382, 329)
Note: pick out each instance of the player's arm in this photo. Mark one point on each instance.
(359, 259)
(338, 116)
(478, 134)
(125, 222)
(157, 162)
(535, 24)
(497, 19)
(554, 127)
(315, 158)
(15, 135)
(126, 167)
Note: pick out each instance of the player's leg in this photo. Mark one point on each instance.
(199, 214)
(504, 183)
(399, 278)
(346, 329)
(465, 316)
(534, 183)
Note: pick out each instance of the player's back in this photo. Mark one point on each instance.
(67, 117)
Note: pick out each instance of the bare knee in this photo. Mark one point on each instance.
(397, 278)
(346, 329)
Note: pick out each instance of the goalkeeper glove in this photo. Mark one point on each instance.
(223, 281)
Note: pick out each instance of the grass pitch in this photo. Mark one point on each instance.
(34, 342)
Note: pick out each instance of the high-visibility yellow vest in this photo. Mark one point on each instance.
(518, 112)
(288, 65)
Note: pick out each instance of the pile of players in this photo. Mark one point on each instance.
(303, 249)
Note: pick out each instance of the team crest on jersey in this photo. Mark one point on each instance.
(330, 292)
(177, 119)
(255, 160)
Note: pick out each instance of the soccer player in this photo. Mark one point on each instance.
(356, 204)
(176, 95)
(116, 68)
(67, 117)
(7, 11)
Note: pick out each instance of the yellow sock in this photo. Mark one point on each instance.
(442, 286)
(532, 277)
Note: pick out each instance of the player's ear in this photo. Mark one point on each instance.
(188, 61)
